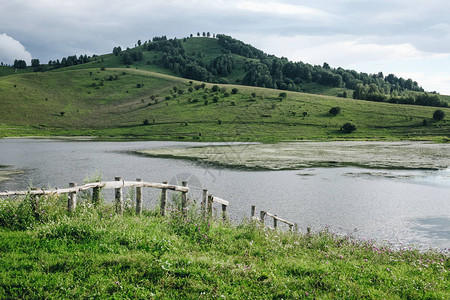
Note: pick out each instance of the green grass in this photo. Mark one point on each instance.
(81, 101)
(97, 254)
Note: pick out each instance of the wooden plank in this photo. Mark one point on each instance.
(221, 201)
(280, 219)
(104, 185)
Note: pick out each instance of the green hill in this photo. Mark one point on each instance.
(143, 104)
(104, 97)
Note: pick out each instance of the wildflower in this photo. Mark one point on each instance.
(387, 269)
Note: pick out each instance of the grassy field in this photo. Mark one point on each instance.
(95, 253)
(86, 102)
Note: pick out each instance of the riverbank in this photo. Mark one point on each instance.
(298, 155)
(97, 254)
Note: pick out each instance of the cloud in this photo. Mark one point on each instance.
(10, 49)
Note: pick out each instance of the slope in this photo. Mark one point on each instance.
(124, 103)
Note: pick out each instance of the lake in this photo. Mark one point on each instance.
(402, 207)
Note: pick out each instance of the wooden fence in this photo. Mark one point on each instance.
(119, 184)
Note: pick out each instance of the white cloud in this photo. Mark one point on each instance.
(278, 8)
(10, 49)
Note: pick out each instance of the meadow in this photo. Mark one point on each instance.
(95, 253)
(131, 103)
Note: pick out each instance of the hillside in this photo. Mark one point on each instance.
(124, 103)
(147, 99)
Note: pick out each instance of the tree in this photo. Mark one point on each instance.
(198, 33)
(139, 42)
(127, 59)
(35, 63)
(335, 110)
(348, 127)
(117, 50)
(20, 64)
(438, 115)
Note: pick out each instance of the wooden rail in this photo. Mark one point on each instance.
(207, 205)
(263, 214)
(117, 185)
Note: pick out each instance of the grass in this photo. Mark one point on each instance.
(83, 102)
(97, 254)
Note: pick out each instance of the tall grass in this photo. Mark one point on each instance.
(94, 253)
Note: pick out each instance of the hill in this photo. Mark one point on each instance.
(130, 103)
(146, 98)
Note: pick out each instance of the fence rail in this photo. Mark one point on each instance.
(119, 184)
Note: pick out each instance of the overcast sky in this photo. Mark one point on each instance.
(408, 38)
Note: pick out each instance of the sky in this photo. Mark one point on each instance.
(410, 38)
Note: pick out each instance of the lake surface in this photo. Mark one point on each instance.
(396, 206)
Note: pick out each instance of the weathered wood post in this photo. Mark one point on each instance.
(210, 203)
(275, 222)
(308, 230)
(162, 207)
(204, 202)
(72, 202)
(253, 213)
(262, 216)
(96, 196)
(184, 197)
(35, 205)
(224, 212)
(119, 197)
(139, 198)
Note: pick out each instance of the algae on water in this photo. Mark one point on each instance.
(298, 155)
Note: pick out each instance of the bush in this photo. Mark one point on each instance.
(216, 99)
(234, 91)
(283, 95)
(438, 115)
(145, 122)
(334, 110)
(348, 127)
(215, 88)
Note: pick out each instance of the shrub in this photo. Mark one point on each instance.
(206, 102)
(334, 110)
(145, 122)
(253, 94)
(283, 95)
(234, 91)
(438, 115)
(215, 88)
(216, 99)
(348, 127)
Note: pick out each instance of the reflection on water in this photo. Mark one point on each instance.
(399, 206)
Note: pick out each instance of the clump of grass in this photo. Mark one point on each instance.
(94, 253)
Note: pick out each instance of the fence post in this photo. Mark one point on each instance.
(308, 230)
(204, 202)
(162, 208)
(35, 205)
(138, 198)
(72, 203)
(262, 216)
(253, 213)
(95, 196)
(184, 197)
(275, 222)
(210, 202)
(224, 212)
(119, 197)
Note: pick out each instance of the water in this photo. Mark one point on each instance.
(399, 207)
